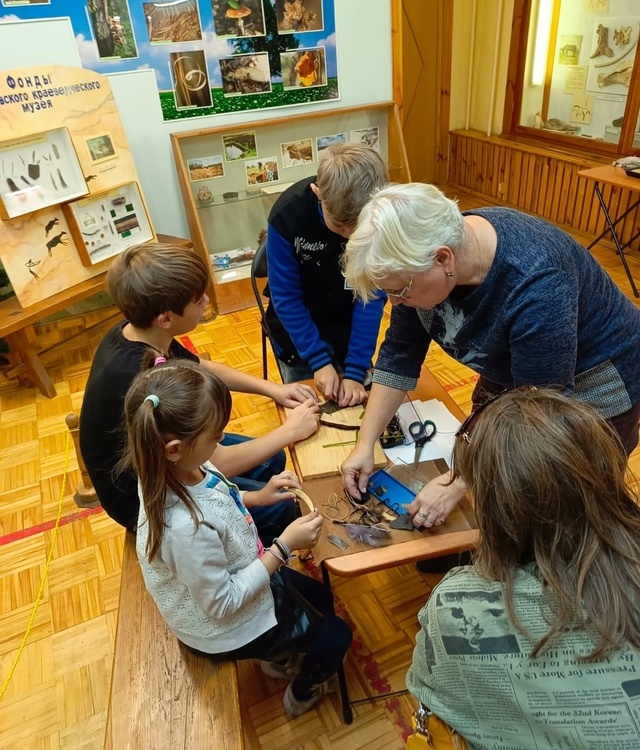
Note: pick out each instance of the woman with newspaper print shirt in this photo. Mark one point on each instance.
(536, 646)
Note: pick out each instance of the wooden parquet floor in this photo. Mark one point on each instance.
(57, 697)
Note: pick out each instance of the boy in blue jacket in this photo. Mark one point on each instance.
(318, 329)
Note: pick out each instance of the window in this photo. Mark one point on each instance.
(573, 74)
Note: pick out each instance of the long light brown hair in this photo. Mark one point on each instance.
(547, 475)
(191, 401)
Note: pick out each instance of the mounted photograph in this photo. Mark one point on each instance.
(324, 141)
(206, 168)
(303, 68)
(296, 153)
(171, 22)
(101, 148)
(239, 18)
(245, 74)
(295, 16)
(190, 79)
(238, 146)
(260, 171)
(112, 30)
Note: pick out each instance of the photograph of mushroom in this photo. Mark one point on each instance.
(170, 22)
(299, 15)
(113, 30)
(210, 57)
(245, 74)
(303, 68)
(238, 18)
(190, 79)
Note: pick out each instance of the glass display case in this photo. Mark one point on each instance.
(230, 178)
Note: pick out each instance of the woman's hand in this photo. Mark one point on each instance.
(274, 491)
(435, 501)
(351, 393)
(304, 532)
(292, 394)
(327, 382)
(357, 469)
(303, 420)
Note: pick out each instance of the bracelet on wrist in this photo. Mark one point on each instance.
(283, 549)
(280, 560)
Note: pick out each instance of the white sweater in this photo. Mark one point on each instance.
(208, 584)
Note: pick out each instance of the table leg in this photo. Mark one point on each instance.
(347, 713)
(614, 234)
(21, 344)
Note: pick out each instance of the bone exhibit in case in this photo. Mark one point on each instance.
(38, 171)
(107, 223)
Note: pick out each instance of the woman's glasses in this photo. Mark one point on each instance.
(402, 293)
(467, 426)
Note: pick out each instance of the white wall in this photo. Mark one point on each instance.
(363, 30)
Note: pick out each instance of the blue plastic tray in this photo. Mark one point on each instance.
(388, 490)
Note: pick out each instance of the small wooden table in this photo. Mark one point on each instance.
(610, 175)
(426, 545)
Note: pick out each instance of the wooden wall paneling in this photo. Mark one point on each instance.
(445, 34)
(536, 179)
(521, 176)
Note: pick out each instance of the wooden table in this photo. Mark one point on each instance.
(426, 545)
(615, 176)
(16, 325)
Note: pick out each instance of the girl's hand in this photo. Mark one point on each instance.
(292, 394)
(274, 491)
(303, 420)
(304, 532)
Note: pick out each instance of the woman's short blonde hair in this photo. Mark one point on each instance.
(399, 232)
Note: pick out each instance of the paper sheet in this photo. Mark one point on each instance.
(440, 446)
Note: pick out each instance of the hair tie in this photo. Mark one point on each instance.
(154, 400)
(159, 361)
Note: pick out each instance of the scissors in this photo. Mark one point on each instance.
(421, 432)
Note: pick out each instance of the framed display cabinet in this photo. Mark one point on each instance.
(230, 178)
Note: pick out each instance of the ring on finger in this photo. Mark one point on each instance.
(422, 515)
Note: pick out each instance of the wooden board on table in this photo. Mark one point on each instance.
(322, 454)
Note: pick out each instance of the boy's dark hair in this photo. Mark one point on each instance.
(149, 279)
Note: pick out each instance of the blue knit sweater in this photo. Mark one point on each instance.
(546, 314)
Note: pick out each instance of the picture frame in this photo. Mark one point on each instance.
(39, 171)
(107, 223)
(101, 148)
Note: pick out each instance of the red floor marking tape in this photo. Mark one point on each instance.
(48, 525)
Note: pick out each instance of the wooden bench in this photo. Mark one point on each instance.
(163, 696)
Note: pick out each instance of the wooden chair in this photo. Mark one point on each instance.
(259, 270)
(162, 695)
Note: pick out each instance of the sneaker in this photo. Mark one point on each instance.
(286, 670)
(294, 707)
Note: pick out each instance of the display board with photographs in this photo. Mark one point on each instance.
(209, 56)
(253, 165)
(106, 224)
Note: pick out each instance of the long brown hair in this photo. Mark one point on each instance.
(547, 475)
(190, 401)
